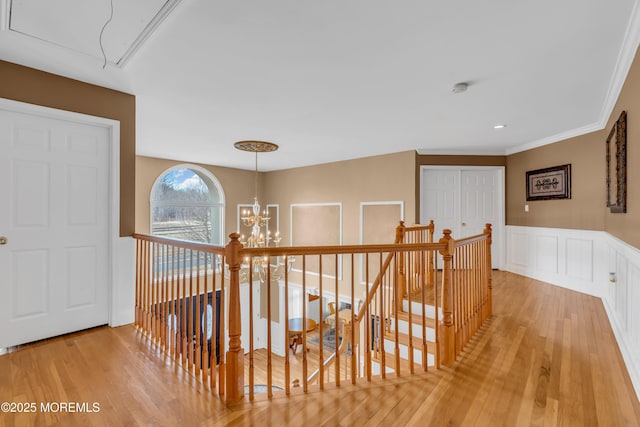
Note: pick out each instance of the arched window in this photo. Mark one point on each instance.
(187, 202)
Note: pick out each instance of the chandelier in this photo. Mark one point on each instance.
(256, 220)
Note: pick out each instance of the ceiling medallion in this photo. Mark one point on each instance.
(256, 146)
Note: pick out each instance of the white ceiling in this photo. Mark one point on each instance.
(333, 80)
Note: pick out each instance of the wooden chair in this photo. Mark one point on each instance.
(330, 320)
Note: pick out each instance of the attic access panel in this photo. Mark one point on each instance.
(76, 24)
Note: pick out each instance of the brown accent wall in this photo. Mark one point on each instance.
(586, 153)
(238, 186)
(38, 87)
(450, 160)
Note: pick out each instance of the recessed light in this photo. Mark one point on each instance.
(500, 126)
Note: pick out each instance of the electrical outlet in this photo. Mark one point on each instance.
(526, 208)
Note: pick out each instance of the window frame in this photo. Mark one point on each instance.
(221, 204)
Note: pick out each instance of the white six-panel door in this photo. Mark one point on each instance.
(54, 213)
(464, 201)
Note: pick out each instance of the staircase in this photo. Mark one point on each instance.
(408, 341)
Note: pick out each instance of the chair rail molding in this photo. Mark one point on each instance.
(592, 262)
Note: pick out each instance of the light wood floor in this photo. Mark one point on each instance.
(546, 357)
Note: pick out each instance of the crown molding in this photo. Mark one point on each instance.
(459, 152)
(555, 138)
(623, 64)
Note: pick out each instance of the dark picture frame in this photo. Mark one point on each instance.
(549, 183)
(617, 165)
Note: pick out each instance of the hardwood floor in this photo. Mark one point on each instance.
(546, 357)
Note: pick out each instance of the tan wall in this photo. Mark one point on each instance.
(379, 178)
(627, 226)
(586, 153)
(238, 186)
(372, 179)
(585, 209)
(37, 87)
(451, 160)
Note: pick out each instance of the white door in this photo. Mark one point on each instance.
(54, 213)
(464, 201)
(441, 200)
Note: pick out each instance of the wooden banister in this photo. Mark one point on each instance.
(173, 276)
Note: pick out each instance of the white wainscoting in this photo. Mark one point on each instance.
(124, 283)
(582, 260)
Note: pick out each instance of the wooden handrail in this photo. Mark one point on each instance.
(340, 250)
(183, 244)
(470, 240)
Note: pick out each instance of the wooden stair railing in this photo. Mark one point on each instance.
(459, 296)
(413, 234)
(175, 281)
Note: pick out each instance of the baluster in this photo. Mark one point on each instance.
(337, 323)
(165, 297)
(174, 302)
(205, 322)
(214, 324)
(222, 367)
(269, 336)
(190, 316)
(184, 325)
(251, 350)
(425, 356)
(397, 282)
(304, 324)
(321, 327)
(410, 322)
(197, 318)
(383, 322)
(367, 318)
(287, 364)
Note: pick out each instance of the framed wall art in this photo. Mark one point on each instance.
(616, 146)
(549, 183)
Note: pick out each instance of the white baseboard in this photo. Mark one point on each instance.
(582, 260)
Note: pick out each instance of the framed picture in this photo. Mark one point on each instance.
(549, 183)
(616, 146)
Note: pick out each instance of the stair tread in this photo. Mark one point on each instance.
(416, 319)
(404, 340)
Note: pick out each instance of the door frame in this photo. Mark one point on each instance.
(500, 227)
(113, 241)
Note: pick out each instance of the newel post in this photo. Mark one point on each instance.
(447, 332)
(488, 231)
(402, 277)
(235, 354)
